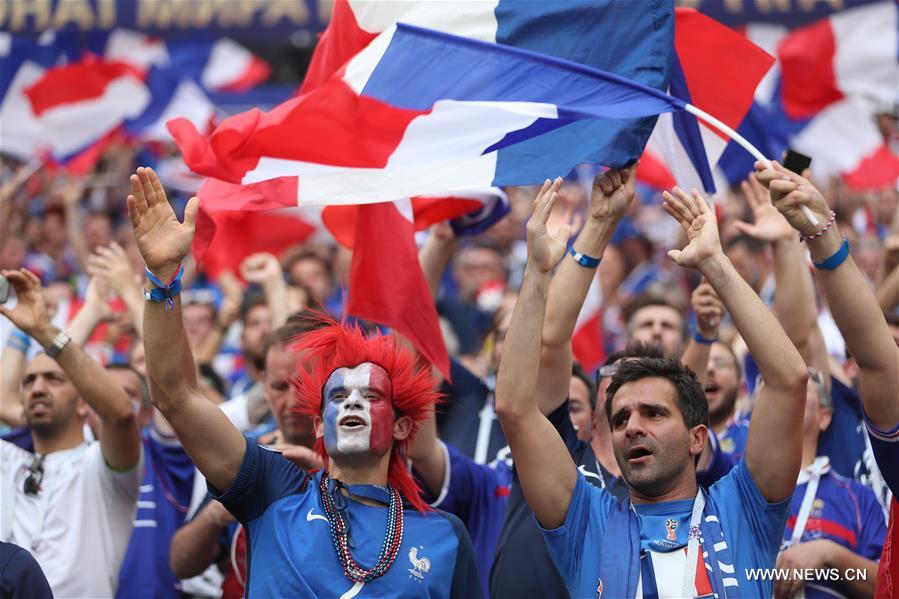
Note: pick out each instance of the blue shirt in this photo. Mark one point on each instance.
(845, 512)
(522, 566)
(752, 528)
(733, 440)
(165, 494)
(459, 419)
(291, 552)
(478, 496)
(20, 575)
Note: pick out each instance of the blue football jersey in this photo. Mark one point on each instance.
(291, 552)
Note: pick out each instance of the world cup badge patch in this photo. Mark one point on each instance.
(671, 527)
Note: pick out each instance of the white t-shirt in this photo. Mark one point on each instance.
(79, 524)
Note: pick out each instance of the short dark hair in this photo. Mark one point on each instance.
(752, 245)
(144, 387)
(254, 296)
(646, 300)
(690, 396)
(578, 371)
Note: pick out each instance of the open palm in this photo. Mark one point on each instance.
(769, 225)
(162, 240)
(546, 245)
(693, 214)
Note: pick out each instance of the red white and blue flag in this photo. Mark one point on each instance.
(832, 76)
(395, 111)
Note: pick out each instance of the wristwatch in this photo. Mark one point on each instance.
(59, 342)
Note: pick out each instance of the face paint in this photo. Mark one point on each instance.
(358, 416)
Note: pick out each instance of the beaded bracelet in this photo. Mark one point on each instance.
(820, 232)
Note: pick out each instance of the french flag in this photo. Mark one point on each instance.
(348, 147)
(418, 100)
(215, 64)
(171, 97)
(831, 77)
(718, 70)
(77, 104)
(468, 213)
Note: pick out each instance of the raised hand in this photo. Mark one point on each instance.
(693, 214)
(31, 313)
(613, 192)
(789, 191)
(769, 225)
(112, 264)
(546, 247)
(261, 268)
(162, 240)
(709, 310)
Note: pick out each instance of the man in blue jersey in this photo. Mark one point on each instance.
(864, 328)
(835, 523)
(164, 498)
(672, 538)
(346, 530)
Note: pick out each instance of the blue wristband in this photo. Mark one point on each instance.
(836, 259)
(702, 340)
(164, 292)
(22, 337)
(583, 259)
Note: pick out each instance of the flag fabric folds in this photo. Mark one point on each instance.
(415, 101)
(356, 136)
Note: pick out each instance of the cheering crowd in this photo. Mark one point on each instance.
(168, 434)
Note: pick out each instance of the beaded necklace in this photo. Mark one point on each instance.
(340, 532)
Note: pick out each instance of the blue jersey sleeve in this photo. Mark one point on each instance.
(471, 491)
(719, 464)
(885, 445)
(567, 544)
(265, 476)
(20, 575)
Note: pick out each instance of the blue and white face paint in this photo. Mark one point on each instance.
(358, 414)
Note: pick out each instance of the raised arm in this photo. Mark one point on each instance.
(709, 312)
(794, 302)
(112, 265)
(773, 449)
(119, 438)
(851, 302)
(613, 192)
(545, 468)
(435, 254)
(216, 447)
(264, 269)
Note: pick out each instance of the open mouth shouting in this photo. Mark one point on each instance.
(352, 423)
(638, 454)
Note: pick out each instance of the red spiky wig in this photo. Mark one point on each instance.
(337, 345)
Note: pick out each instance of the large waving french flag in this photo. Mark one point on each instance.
(718, 70)
(470, 112)
(417, 101)
(832, 75)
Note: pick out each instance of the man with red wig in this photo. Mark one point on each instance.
(344, 531)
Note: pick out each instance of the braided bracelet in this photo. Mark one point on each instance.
(820, 232)
(164, 292)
